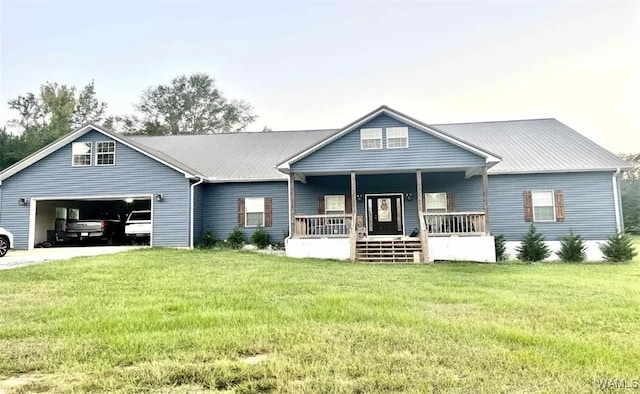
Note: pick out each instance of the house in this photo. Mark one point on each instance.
(386, 187)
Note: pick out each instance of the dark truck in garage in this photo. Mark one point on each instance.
(107, 228)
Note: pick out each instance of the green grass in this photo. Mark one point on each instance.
(182, 321)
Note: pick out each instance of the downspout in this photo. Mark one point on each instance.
(192, 210)
(616, 205)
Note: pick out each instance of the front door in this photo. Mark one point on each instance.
(384, 215)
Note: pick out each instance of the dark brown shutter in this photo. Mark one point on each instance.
(347, 205)
(559, 205)
(528, 206)
(451, 203)
(268, 217)
(321, 205)
(241, 212)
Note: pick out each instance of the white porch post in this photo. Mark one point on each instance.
(292, 205)
(424, 237)
(485, 199)
(354, 207)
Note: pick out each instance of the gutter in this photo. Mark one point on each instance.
(192, 209)
(616, 201)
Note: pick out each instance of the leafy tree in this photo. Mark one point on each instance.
(630, 192)
(533, 248)
(191, 105)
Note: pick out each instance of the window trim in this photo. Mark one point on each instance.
(404, 128)
(247, 212)
(553, 206)
(105, 153)
(362, 139)
(446, 204)
(344, 204)
(90, 154)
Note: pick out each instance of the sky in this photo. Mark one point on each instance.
(321, 64)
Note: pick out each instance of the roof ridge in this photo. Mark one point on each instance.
(492, 121)
(237, 133)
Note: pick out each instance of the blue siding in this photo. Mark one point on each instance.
(588, 204)
(425, 151)
(467, 192)
(133, 174)
(220, 207)
(198, 212)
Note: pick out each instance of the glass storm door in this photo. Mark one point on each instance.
(384, 215)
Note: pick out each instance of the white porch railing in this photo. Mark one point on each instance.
(456, 223)
(314, 226)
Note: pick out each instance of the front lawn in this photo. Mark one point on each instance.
(183, 321)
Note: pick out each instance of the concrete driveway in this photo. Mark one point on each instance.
(20, 258)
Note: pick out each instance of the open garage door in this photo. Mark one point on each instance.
(85, 221)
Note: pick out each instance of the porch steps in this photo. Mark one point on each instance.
(387, 251)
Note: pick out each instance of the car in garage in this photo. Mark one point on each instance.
(6, 241)
(137, 228)
(106, 227)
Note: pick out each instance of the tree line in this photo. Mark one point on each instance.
(189, 104)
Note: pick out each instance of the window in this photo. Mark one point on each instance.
(397, 137)
(435, 202)
(371, 139)
(255, 212)
(81, 152)
(334, 205)
(543, 205)
(105, 153)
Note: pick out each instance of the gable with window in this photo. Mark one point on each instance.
(371, 139)
(255, 212)
(543, 206)
(105, 153)
(81, 154)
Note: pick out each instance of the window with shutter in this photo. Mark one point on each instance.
(254, 212)
(436, 202)
(334, 205)
(543, 203)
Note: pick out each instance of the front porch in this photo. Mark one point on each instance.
(391, 217)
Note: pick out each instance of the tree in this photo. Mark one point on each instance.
(533, 247)
(191, 105)
(46, 116)
(630, 191)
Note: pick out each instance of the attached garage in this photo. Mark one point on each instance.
(50, 217)
(93, 173)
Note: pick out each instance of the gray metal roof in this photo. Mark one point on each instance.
(536, 145)
(238, 156)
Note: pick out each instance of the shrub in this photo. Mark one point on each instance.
(572, 248)
(501, 247)
(235, 239)
(260, 238)
(618, 248)
(207, 241)
(533, 247)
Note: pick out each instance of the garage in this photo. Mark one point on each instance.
(84, 221)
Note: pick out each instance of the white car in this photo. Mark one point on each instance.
(137, 228)
(6, 241)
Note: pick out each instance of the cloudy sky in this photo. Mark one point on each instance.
(305, 65)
